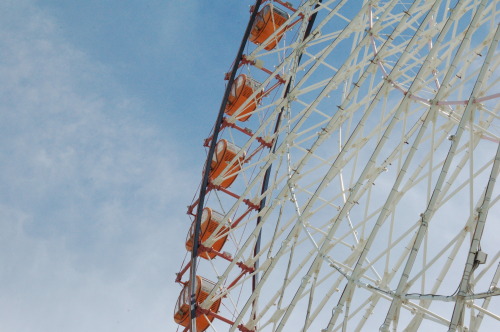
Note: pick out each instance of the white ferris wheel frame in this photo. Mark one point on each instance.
(435, 107)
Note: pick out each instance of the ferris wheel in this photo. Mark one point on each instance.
(351, 170)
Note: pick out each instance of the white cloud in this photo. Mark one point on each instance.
(90, 196)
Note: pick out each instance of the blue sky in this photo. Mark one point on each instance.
(103, 109)
(104, 106)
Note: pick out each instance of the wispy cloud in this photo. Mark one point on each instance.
(86, 201)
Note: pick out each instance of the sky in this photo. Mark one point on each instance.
(104, 105)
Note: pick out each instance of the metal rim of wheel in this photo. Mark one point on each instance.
(376, 136)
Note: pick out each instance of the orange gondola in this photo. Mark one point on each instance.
(268, 20)
(225, 152)
(243, 87)
(203, 287)
(210, 220)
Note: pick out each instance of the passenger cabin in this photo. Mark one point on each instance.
(210, 220)
(225, 152)
(243, 87)
(203, 287)
(267, 21)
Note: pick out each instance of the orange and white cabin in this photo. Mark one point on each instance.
(243, 87)
(225, 153)
(203, 287)
(210, 220)
(268, 20)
